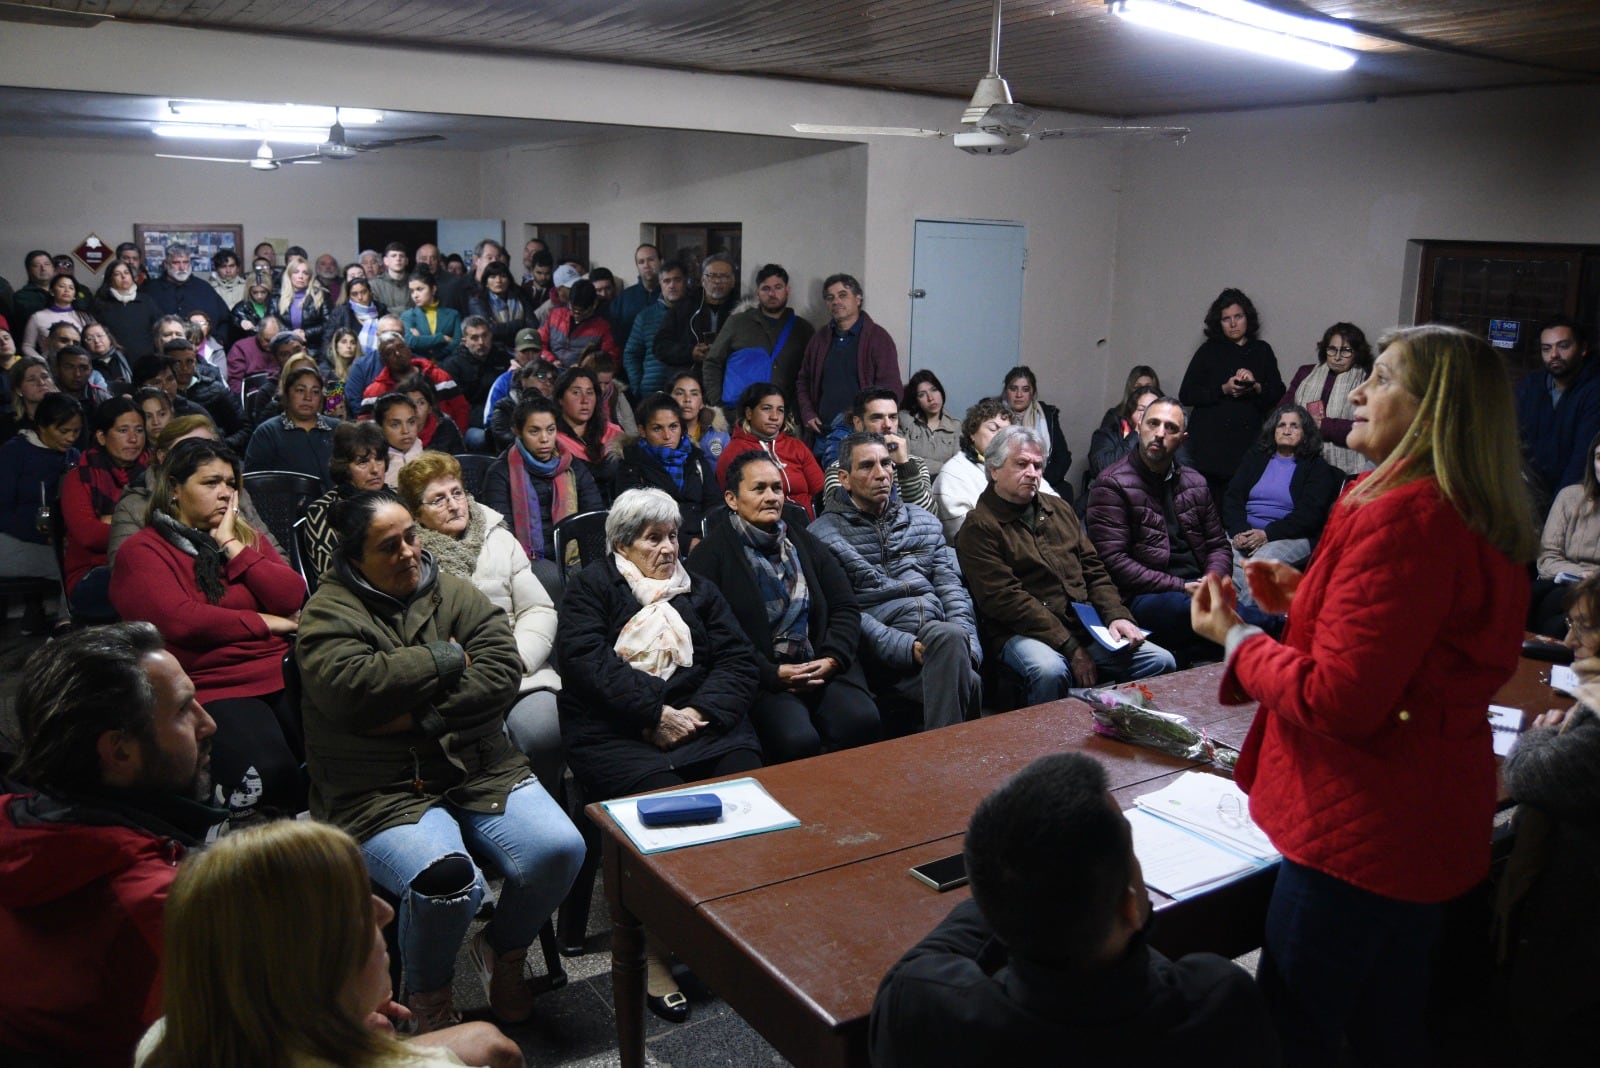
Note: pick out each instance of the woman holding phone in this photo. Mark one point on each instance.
(1369, 763)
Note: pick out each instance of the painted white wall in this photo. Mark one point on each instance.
(59, 191)
(1309, 210)
(801, 203)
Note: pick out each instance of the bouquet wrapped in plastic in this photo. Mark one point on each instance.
(1128, 713)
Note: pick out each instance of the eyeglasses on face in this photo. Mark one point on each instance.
(441, 500)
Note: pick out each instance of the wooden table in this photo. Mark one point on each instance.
(796, 928)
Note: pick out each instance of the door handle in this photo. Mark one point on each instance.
(918, 294)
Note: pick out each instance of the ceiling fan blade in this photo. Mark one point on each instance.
(867, 131)
(368, 146)
(1008, 118)
(1175, 134)
(205, 159)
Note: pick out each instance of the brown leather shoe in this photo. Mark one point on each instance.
(510, 999)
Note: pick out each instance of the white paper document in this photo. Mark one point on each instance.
(1563, 678)
(747, 809)
(1180, 863)
(1506, 726)
(1214, 807)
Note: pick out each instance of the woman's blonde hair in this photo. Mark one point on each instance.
(1464, 435)
(295, 366)
(418, 474)
(316, 295)
(266, 932)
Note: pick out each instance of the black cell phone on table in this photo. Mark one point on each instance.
(944, 874)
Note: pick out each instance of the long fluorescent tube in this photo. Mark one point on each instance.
(272, 114)
(1279, 42)
(284, 134)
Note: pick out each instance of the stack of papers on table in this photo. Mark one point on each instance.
(1197, 834)
(1505, 724)
(747, 809)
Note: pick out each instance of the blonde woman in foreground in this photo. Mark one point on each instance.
(275, 959)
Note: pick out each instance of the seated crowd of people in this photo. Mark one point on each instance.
(801, 555)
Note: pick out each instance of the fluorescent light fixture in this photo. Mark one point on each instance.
(272, 114)
(287, 135)
(1237, 24)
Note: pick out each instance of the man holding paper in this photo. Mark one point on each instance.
(1031, 569)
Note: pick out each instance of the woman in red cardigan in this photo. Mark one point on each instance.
(224, 601)
(1369, 762)
(89, 495)
(761, 412)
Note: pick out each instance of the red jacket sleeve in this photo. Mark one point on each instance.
(84, 528)
(1378, 618)
(147, 584)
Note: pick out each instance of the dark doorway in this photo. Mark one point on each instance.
(376, 233)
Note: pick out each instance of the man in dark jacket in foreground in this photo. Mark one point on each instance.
(1048, 963)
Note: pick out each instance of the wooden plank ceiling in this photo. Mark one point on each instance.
(1066, 54)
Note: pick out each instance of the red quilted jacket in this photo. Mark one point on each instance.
(1370, 758)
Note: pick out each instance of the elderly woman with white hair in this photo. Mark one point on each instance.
(657, 677)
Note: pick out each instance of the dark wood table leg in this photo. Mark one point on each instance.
(627, 966)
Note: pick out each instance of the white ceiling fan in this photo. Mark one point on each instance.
(263, 160)
(994, 125)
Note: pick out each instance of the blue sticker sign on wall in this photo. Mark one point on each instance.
(1503, 333)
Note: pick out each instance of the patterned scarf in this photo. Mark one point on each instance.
(655, 640)
(525, 520)
(209, 559)
(1339, 407)
(671, 460)
(782, 584)
(458, 554)
(506, 309)
(107, 479)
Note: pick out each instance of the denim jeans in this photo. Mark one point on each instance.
(1292, 551)
(1339, 962)
(531, 844)
(1047, 675)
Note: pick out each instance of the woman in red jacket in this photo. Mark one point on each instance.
(761, 418)
(224, 601)
(89, 495)
(1369, 762)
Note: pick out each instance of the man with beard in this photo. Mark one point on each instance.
(179, 291)
(108, 794)
(772, 326)
(1159, 532)
(692, 324)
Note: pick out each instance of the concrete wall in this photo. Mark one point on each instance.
(59, 191)
(1309, 210)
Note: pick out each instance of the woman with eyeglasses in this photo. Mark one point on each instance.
(1553, 875)
(470, 540)
(1569, 550)
(1344, 360)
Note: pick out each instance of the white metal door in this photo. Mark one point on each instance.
(966, 308)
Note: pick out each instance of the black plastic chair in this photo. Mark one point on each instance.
(474, 465)
(280, 498)
(252, 382)
(301, 552)
(580, 540)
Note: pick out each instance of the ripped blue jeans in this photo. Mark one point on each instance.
(428, 866)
